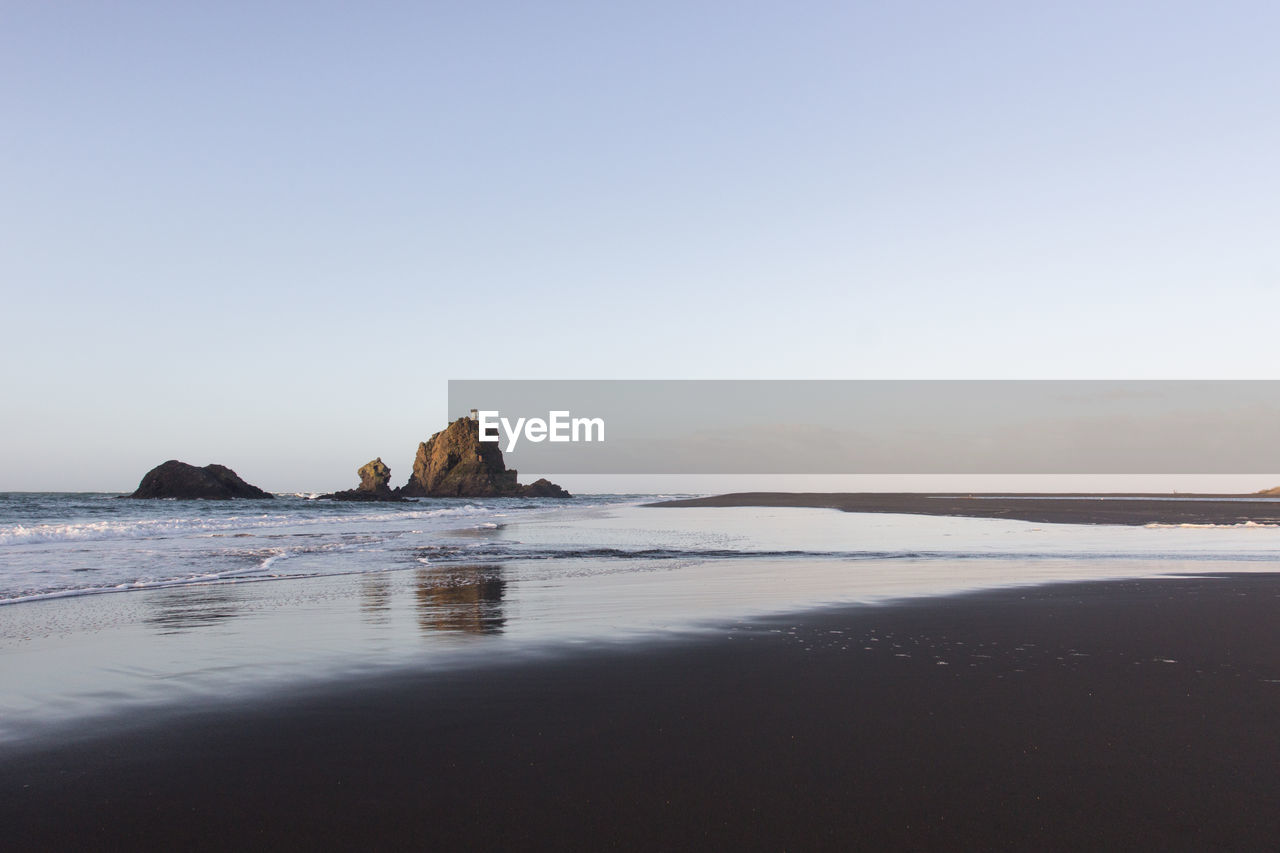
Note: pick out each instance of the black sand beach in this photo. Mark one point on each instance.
(1040, 508)
(1075, 716)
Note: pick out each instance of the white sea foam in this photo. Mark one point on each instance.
(154, 528)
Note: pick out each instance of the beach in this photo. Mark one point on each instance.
(1067, 716)
(601, 673)
(1128, 509)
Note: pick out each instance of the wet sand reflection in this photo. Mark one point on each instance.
(465, 599)
(375, 598)
(193, 607)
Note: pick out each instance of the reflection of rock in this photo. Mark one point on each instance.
(176, 479)
(375, 478)
(462, 598)
(456, 463)
(375, 598)
(182, 609)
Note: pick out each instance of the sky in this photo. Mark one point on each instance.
(267, 235)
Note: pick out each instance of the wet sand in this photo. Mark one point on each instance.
(1039, 508)
(1073, 716)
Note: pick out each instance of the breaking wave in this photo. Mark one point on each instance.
(159, 528)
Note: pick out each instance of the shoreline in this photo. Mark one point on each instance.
(1069, 715)
(1121, 509)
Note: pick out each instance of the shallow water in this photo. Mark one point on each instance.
(494, 582)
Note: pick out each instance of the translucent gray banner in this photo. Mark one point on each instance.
(879, 427)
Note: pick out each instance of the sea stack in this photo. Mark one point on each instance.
(374, 477)
(455, 463)
(176, 479)
(375, 485)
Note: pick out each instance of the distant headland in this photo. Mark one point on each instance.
(453, 463)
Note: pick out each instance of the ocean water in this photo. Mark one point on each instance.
(76, 544)
(108, 606)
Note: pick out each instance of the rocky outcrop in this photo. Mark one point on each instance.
(455, 463)
(543, 488)
(176, 479)
(374, 476)
(375, 485)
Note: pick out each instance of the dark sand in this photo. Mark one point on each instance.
(1044, 509)
(1137, 714)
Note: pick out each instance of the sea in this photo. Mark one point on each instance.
(68, 544)
(109, 605)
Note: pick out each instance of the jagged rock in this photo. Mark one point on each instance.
(176, 479)
(374, 476)
(374, 485)
(455, 463)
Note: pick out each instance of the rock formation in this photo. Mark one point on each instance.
(543, 488)
(375, 479)
(374, 476)
(456, 463)
(176, 479)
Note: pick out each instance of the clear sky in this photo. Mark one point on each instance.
(266, 234)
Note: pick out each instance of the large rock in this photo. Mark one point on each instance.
(176, 479)
(375, 479)
(455, 463)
